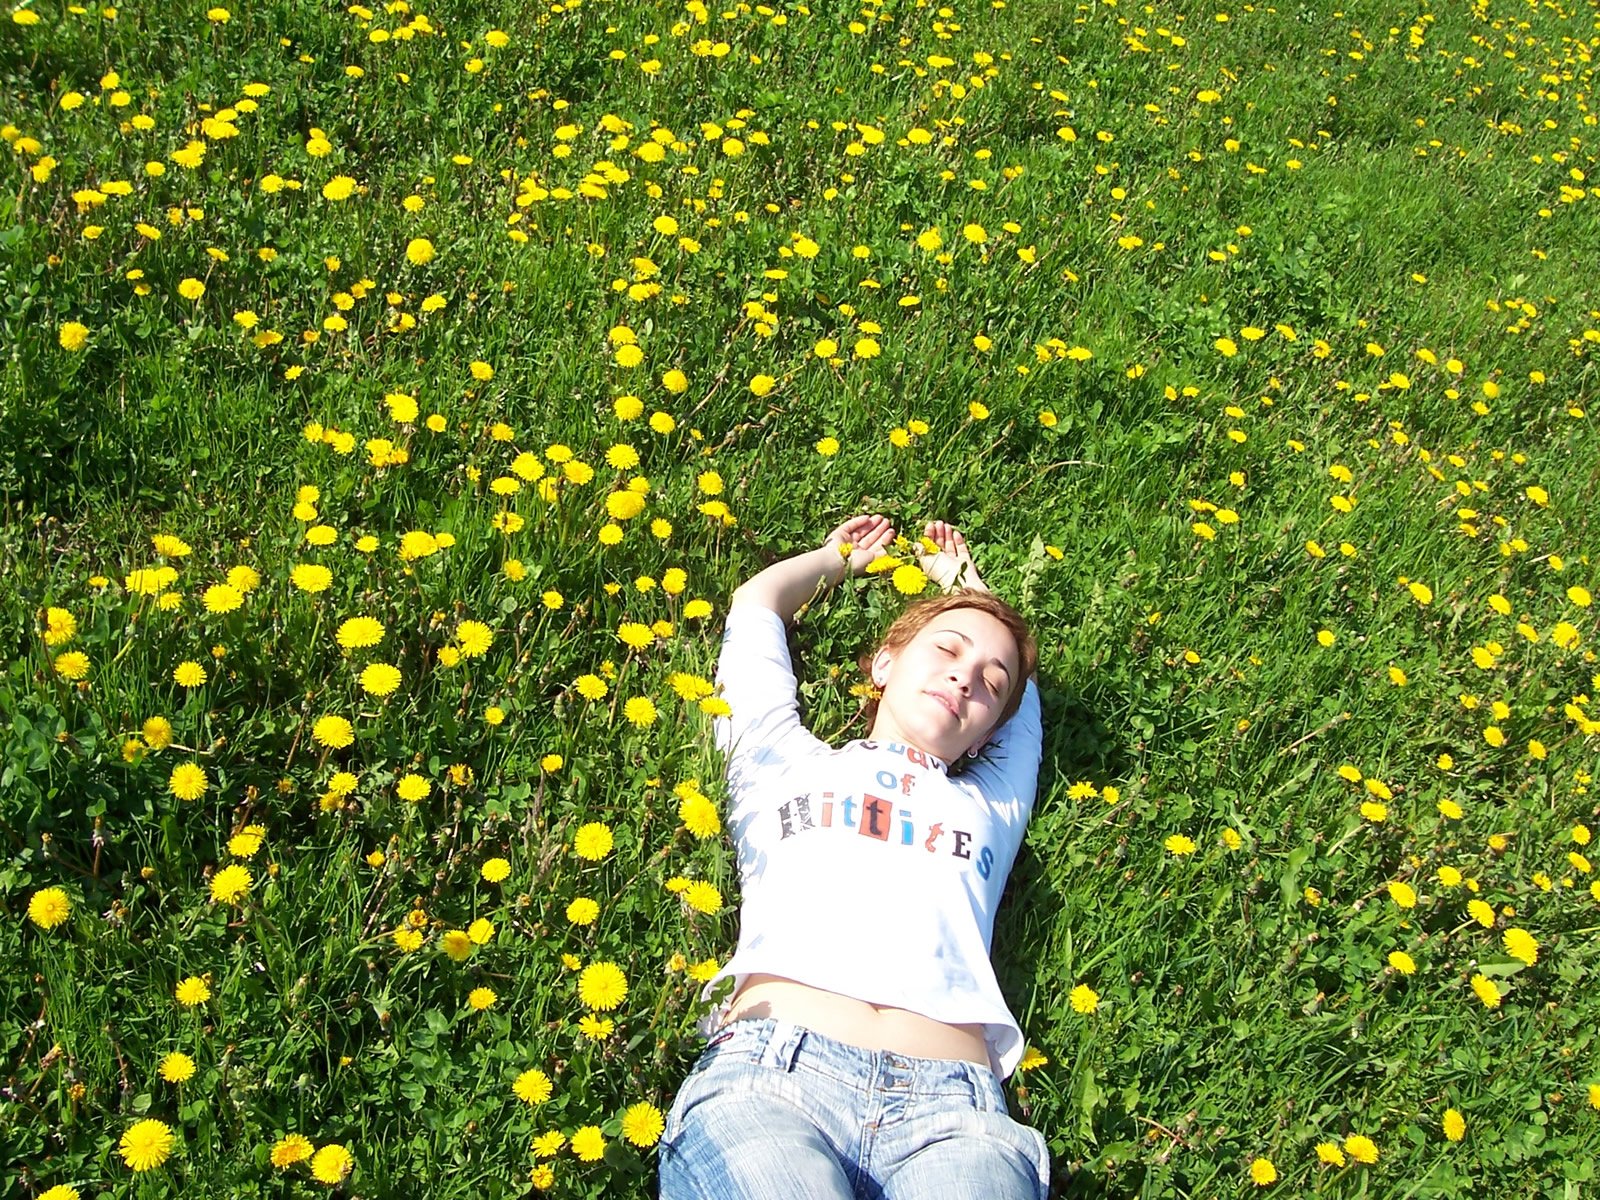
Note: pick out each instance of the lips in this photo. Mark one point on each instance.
(948, 704)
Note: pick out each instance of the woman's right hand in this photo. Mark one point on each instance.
(868, 536)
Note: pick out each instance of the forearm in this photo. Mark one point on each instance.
(787, 584)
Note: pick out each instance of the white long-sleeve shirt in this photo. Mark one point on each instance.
(868, 870)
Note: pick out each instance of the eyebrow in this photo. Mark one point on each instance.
(968, 641)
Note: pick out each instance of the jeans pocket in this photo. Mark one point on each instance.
(1031, 1144)
(681, 1103)
(716, 1075)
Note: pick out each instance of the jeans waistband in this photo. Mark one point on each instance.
(786, 1046)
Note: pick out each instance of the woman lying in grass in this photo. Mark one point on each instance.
(862, 1049)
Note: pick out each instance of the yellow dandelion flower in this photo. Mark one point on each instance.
(146, 1144)
(357, 633)
(339, 188)
(474, 638)
(221, 598)
(380, 679)
(909, 580)
(703, 897)
(60, 626)
(188, 781)
(1454, 1125)
(176, 1067)
(231, 884)
(699, 816)
(642, 1124)
(49, 907)
(589, 1144)
(413, 787)
(495, 870)
(1361, 1148)
(602, 986)
(72, 664)
(593, 841)
(532, 1086)
(1521, 944)
(456, 943)
(1486, 991)
(333, 731)
(311, 577)
(189, 674)
(331, 1163)
(290, 1149)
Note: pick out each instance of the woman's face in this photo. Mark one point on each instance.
(944, 689)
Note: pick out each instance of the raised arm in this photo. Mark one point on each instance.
(791, 582)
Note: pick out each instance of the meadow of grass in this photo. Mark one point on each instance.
(393, 395)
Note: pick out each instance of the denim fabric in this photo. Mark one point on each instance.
(773, 1109)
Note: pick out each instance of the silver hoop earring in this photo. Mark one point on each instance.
(972, 754)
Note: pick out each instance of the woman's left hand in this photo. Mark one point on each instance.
(950, 565)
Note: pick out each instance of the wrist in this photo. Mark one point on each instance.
(831, 564)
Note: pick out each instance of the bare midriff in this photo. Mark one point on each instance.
(869, 1026)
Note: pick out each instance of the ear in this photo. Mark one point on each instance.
(880, 667)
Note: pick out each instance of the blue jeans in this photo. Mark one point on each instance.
(773, 1109)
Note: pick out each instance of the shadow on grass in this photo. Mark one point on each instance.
(1079, 744)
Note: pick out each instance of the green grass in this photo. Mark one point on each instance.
(1420, 198)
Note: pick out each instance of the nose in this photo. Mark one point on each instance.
(960, 680)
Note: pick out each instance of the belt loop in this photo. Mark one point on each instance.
(984, 1089)
(782, 1045)
(771, 1044)
(791, 1052)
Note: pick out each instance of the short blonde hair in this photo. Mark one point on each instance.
(920, 613)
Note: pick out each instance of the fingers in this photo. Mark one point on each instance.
(868, 535)
(862, 527)
(873, 531)
(947, 537)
